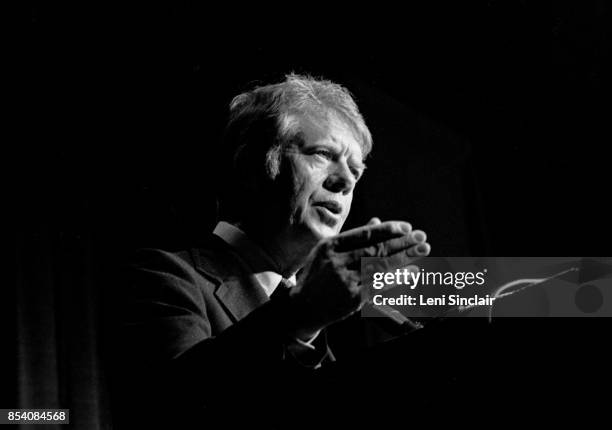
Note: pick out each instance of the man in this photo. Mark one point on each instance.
(245, 316)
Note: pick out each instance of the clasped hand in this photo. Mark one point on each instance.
(329, 287)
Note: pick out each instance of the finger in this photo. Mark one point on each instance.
(370, 234)
(404, 259)
(404, 243)
(419, 250)
(419, 236)
(401, 256)
(374, 221)
(408, 243)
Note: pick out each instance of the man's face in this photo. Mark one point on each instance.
(319, 172)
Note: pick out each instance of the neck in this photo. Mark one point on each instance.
(287, 251)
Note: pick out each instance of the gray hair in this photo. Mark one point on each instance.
(262, 121)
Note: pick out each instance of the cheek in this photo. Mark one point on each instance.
(308, 182)
(349, 202)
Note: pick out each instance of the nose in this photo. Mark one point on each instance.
(339, 179)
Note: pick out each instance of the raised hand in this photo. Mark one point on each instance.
(329, 287)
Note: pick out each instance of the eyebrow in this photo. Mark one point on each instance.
(333, 145)
(337, 147)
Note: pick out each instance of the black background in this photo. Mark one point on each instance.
(480, 139)
(488, 134)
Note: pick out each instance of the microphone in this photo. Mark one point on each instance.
(392, 320)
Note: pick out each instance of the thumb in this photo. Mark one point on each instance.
(374, 221)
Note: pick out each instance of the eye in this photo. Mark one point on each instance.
(356, 173)
(324, 153)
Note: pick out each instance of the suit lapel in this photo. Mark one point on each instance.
(237, 289)
(240, 297)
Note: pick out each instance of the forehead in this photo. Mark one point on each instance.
(328, 130)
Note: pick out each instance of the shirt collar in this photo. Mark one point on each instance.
(264, 267)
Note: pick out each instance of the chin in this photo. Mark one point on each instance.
(321, 230)
(326, 231)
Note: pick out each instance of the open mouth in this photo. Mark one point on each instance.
(334, 207)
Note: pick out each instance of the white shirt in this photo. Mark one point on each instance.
(264, 267)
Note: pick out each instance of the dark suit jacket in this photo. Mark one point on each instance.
(200, 344)
(195, 330)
